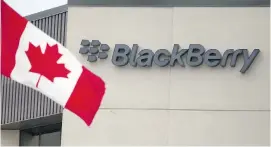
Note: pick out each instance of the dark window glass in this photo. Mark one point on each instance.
(49, 135)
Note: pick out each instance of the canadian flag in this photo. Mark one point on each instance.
(34, 59)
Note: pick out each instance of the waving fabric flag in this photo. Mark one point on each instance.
(32, 58)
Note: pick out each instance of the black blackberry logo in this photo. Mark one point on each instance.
(94, 50)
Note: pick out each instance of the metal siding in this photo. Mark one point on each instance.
(53, 27)
(65, 28)
(62, 28)
(21, 103)
(4, 94)
(15, 112)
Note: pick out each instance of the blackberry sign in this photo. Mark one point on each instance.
(194, 56)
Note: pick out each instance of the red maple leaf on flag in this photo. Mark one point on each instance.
(46, 64)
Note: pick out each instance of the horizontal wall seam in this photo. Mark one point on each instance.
(259, 110)
(171, 3)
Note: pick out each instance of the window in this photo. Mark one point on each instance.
(49, 135)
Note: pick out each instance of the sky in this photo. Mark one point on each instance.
(27, 7)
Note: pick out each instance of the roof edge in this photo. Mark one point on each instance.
(48, 12)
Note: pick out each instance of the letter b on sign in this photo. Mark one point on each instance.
(121, 55)
(194, 57)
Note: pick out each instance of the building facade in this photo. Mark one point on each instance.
(148, 100)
